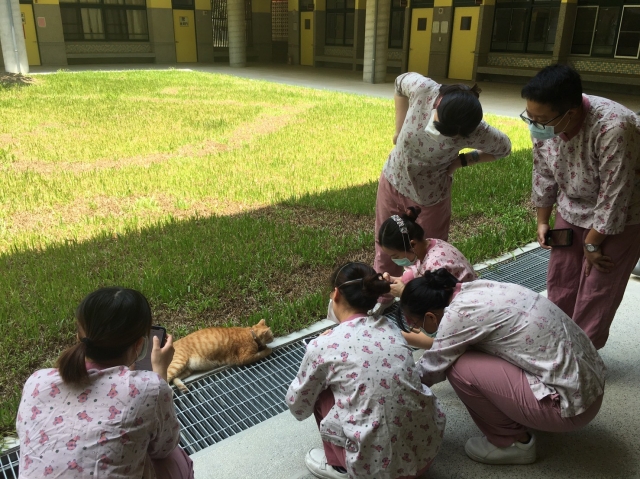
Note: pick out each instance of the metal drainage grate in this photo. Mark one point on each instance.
(226, 403)
(528, 269)
(9, 462)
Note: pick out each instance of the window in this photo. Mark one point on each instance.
(629, 37)
(607, 30)
(340, 22)
(525, 26)
(396, 24)
(111, 20)
(220, 27)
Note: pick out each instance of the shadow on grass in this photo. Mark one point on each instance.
(270, 263)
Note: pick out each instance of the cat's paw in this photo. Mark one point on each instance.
(180, 385)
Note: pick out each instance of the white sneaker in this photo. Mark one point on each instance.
(481, 450)
(317, 464)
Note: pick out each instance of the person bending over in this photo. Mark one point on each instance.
(376, 419)
(514, 358)
(94, 415)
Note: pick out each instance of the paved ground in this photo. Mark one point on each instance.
(607, 448)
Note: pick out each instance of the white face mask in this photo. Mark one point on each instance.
(143, 352)
(331, 315)
(430, 129)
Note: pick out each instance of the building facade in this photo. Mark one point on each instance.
(456, 39)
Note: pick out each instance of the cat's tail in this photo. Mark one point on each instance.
(177, 382)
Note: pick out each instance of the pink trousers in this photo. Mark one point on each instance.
(177, 465)
(501, 403)
(336, 455)
(591, 301)
(434, 220)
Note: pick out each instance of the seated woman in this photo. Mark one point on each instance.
(376, 419)
(514, 358)
(94, 413)
(402, 238)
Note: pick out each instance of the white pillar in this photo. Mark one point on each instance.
(14, 49)
(376, 41)
(237, 33)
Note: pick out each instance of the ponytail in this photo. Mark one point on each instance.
(71, 365)
(430, 292)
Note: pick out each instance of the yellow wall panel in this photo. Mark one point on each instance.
(361, 4)
(261, 6)
(30, 36)
(203, 4)
(463, 43)
(46, 2)
(158, 3)
(443, 3)
(293, 5)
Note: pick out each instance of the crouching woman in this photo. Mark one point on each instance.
(94, 416)
(376, 419)
(514, 358)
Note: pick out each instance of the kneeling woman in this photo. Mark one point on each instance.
(530, 366)
(375, 417)
(94, 413)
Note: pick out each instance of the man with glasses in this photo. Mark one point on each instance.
(586, 161)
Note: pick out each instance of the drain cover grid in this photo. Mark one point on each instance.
(529, 269)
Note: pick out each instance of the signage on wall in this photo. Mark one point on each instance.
(184, 22)
(42, 22)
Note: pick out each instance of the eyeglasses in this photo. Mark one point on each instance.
(535, 124)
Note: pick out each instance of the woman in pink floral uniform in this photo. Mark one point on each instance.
(433, 123)
(514, 358)
(586, 162)
(94, 416)
(376, 419)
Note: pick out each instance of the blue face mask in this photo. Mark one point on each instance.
(432, 335)
(405, 262)
(545, 134)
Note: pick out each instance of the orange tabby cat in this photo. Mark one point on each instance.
(213, 347)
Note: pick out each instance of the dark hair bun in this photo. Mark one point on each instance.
(411, 213)
(375, 285)
(440, 279)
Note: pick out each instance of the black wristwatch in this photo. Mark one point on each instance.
(591, 248)
(463, 160)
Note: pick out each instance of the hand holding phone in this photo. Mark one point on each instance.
(559, 237)
(157, 332)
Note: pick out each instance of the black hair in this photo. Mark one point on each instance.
(109, 321)
(430, 292)
(459, 110)
(558, 86)
(391, 236)
(364, 285)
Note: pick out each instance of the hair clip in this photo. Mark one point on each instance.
(401, 225)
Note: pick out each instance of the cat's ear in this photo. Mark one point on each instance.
(262, 322)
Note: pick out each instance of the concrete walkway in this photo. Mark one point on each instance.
(608, 448)
(498, 98)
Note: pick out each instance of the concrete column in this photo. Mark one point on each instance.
(14, 50)
(376, 40)
(564, 33)
(161, 35)
(204, 31)
(237, 33)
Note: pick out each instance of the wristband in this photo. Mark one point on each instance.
(475, 156)
(463, 160)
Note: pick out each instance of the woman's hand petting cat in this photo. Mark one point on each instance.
(162, 357)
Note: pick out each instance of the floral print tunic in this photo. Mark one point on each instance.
(109, 429)
(389, 423)
(593, 176)
(441, 254)
(417, 165)
(526, 329)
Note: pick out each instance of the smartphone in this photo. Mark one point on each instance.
(560, 237)
(160, 333)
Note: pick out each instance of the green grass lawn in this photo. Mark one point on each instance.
(223, 200)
